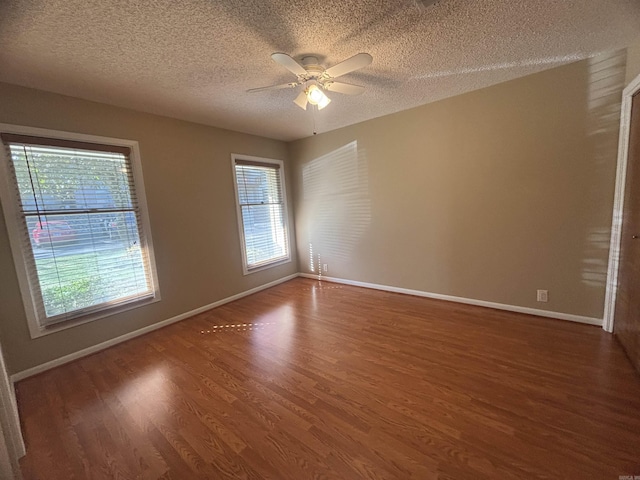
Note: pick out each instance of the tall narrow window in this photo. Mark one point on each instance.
(79, 228)
(262, 211)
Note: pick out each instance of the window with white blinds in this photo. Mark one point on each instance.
(262, 212)
(79, 227)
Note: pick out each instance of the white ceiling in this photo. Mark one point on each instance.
(195, 59)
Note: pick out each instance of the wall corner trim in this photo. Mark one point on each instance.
(29, 372)
(468, 301)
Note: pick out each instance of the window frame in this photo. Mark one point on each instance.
(285, 212)
(14, 221)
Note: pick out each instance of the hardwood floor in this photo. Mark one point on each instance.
(312, 380)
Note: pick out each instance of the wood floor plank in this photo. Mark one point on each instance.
(312, 380)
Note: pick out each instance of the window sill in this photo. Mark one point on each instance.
(39, 331)
(275, 263)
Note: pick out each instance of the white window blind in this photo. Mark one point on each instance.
(80, 225)
(262, 212)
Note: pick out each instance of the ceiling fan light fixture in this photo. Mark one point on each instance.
(324, 102)
(314, 94)
(301, 100)
(317, 97)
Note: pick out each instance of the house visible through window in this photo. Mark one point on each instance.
(262, 211)
(79, 228)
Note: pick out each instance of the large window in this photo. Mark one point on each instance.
(262, 212)
(76, 222)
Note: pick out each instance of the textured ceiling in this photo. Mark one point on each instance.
(195, 59)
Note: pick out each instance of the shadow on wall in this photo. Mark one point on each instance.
(336, 203)
(606, 82)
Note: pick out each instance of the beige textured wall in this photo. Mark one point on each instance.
(633, 61)
(189, 185)
(488, 195)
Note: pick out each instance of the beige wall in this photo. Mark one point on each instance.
(188, 180)
(489, 195)
(633, 61)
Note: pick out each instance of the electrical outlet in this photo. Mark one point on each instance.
(325, 267)
(543, 295)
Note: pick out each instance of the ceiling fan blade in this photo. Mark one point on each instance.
(274, 87)
(289, 63)
(301, 100)
(345, 88)
(349, 65)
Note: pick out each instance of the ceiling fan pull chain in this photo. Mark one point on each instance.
(313, 116)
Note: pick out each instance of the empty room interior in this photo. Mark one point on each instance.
(320, 240)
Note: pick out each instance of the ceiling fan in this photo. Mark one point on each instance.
(316, 79)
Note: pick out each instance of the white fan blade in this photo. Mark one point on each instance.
(301, 100)
(274, 87)
(345, 88)
(289, 63)
(349, 65)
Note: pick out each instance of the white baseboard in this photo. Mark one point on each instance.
(123, 338)
(468, 301)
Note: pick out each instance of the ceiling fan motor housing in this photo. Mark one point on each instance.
(313, 68)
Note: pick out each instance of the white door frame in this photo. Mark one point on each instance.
(618, 204)
(11, 443)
